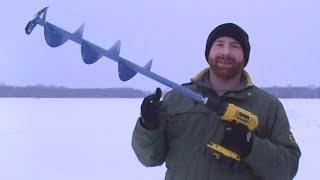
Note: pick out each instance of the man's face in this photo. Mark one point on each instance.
(226, 58)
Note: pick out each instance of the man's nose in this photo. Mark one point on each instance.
(226, 52)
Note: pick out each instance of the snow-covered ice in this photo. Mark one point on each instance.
(82, 139)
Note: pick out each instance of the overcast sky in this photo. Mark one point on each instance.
(284, 37)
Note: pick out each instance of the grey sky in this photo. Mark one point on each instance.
(284, 38)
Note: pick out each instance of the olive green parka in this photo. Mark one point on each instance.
(181, 140)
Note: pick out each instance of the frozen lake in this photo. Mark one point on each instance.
(90, 139)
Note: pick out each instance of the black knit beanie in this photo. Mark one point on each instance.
(233, 31)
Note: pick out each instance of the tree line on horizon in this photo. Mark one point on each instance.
(42, 91)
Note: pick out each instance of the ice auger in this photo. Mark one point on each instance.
(91, 53)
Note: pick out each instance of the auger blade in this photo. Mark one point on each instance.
(125, 73)
(89, 54)
(79, 32)
(115, 50)
(148, 65)
(53, 37)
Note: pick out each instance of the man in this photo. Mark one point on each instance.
(179, 130)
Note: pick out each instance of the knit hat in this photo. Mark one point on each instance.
(233, 31)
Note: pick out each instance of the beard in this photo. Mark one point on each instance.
(226, 73)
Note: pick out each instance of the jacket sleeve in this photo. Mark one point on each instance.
(149, 145)
(277, 156)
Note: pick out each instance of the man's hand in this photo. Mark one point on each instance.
(217, 104)
(238, 139)
(152, 110)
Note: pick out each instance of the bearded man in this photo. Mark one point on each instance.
(180, 131)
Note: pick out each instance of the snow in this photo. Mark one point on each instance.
(50, 139)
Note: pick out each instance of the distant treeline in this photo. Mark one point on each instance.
(42, 91)
(294, 92)
(63, 92)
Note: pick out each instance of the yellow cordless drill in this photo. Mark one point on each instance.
(233, 113)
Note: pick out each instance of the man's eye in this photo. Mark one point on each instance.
(235, 46)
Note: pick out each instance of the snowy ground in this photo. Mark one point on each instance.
(90, 139)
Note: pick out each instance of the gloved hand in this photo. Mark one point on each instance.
(217, 104)
(152, 110)
(238, 139)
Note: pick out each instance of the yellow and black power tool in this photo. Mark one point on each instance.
(236, 114)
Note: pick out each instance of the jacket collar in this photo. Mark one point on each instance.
(202, 79)
(203, 76)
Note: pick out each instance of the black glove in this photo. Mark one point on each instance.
(237, 138)
(152, 110)
(217, 104)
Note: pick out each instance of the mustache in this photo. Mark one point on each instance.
(223, 58)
